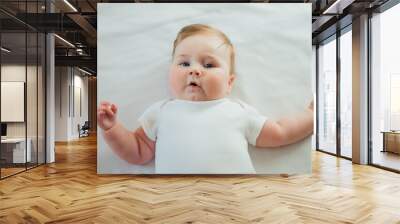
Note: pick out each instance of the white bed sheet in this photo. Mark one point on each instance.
(273, 52)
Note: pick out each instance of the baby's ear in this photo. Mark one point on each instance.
(231, 80)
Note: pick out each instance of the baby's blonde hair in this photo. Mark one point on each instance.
(195, 29)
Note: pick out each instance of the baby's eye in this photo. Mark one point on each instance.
(208, 65)
(184, 64)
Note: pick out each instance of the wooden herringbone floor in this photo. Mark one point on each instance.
(70, 191)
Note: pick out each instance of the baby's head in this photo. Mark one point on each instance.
(203, 64)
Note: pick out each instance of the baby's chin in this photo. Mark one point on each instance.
(194, 97)
(191, 96)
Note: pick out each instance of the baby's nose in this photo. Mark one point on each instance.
(195, 72)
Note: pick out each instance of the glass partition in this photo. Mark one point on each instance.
(22, 77)
(327, 96)
(385, 89)
(41, 107)
(13, 94)
(31, 100)
(346, 93)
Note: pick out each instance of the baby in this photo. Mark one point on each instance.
(200, 131)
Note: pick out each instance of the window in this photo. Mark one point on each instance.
(385, 88)
(327, 96)
(346, 93)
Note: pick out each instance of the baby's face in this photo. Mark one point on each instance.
(200, 69)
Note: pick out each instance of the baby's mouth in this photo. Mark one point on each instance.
(194, 84)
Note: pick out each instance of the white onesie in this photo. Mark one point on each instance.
(202, 137)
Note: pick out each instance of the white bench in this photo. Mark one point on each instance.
(19, 149)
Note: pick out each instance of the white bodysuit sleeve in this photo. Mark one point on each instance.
(149, 119)
(254, 123)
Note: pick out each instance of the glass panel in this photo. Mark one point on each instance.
(386, 89)
(22, 87)
(346, 94)
(313, 83)
(41, 98)
(31, 84)
(32, 6)
(13, 86)
(7, 23)
(327, 96)
(31, 101)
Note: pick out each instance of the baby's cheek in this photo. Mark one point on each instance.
(217, 86)
(175, 81)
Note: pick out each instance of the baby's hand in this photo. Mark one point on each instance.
(106, 115)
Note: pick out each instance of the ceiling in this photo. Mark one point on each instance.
(76, 22)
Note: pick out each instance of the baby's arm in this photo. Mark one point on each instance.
(134, 147)
(287, 130)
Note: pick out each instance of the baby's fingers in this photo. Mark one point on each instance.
(109, 112)
(101, 116)
(114, 108)
(106, 110)
(104, 103)
(101, 110)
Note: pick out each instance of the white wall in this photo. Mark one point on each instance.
(69, 82)
(79, 117)
(61, 103)
(82, 83)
